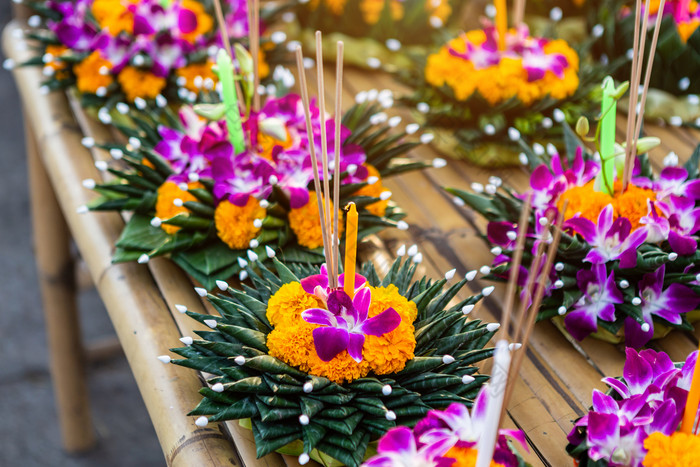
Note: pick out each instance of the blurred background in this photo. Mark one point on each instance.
(29, 433)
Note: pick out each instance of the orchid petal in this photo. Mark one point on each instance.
(329, 342)
(384, 322)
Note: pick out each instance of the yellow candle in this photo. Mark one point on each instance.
(501, 22)
(691, 405)
(350, 250)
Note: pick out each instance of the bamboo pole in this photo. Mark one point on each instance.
(55, 269)
(136, 307)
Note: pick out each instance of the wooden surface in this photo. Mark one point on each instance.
(557, 376)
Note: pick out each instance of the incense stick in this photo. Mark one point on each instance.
(518, 12)
(312, 149)
(254, 27)
(324, 157)
(336, 149)
(631, 138)
(634, 91)
(534, 308)
(515, 266)
(647, 75)
(525, 301)
(222, 27)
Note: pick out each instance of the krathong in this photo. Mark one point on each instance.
(674, 88)
(447, 438)
(636, 422)
(626, 266)
(377, 33)
(147, 53)
(211, 208)
(272, 366)
(489, 89)
(213, 198)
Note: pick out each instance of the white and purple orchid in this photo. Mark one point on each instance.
(668, 304)
(318, 284)
(651, 398)
(536, 61)
(441, 430)
(345, 324)
(600, 295)
(73, 30)
(202, 150)
(610, 240)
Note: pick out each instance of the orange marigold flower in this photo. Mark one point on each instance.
(59, 67)
(685, 30)
(235, 224)
(88, 76)
(292, 339)
(204, 21)
(190, 72)
(114, 15)
(140, 83)
(266, 143)
(263, 67)
(168, 192)
(305, 222)
(285, 306)
(389, 353)
(292, 344)
(584, 201)
(375, 190)
(438, 9)
(632, 204)
(339, 370)
(672, 451)
(588, 202)
(372, 10)
(466, 457)
(336, 6)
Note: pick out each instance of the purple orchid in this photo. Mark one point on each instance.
(607, 441)
(600, 295)
(668, 304)
(657, 227)
(191, 153)
(345, 324)
(399, 448)
(73, 29)
(241, 177)
(318, 284)
(671, 181)
(502, 233)
(455, 426)
(440, 431)
(237, 19)
(684, 222)
(651, 398)
(548, 182)
(610, 240)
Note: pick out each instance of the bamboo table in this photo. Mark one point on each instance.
(556, 379)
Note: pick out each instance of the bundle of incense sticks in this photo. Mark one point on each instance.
(508, 358)
(329, 226)
(635, 115)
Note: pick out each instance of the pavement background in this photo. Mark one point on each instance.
(29, 433)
